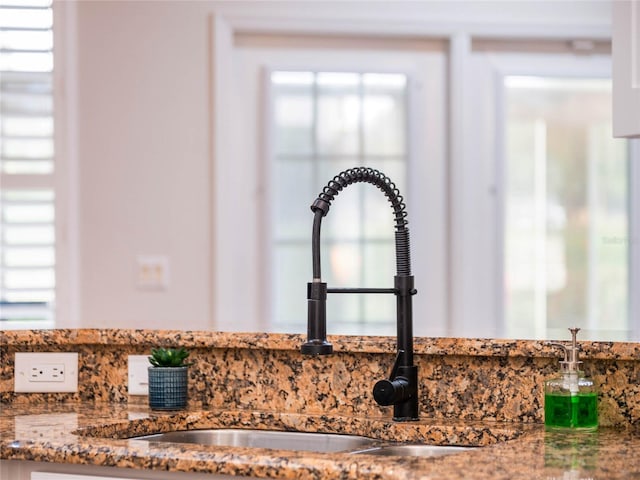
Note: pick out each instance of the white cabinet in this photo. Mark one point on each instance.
(70, 476)
(626, 68)
(24, 470)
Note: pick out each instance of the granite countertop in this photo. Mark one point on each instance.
(97, 435)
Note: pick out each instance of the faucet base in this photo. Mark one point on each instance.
(405, 419)
(401, 391)
(316, 347)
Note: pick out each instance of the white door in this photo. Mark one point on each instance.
(244, 268)
(555, 196)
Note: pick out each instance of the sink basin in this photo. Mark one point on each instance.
(313, 442)
(415, 450)
(301, 441)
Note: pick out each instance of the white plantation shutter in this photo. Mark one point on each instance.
(27, 197)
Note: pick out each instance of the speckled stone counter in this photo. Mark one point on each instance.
(97, 435)
(469, 379)
(480, 392)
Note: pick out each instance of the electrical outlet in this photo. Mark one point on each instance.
(138, 367)
(49, 372)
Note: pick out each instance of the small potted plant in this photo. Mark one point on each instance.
(168, 378)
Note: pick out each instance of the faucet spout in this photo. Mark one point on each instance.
(401, 389)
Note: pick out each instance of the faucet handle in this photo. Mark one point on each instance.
(385, 392)
(390, 392)
(400, 387)
(396, 364)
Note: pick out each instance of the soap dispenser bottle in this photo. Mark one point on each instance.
(570, 399)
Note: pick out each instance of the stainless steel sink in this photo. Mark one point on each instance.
(301, 441)
(313, 442)
(414, 450)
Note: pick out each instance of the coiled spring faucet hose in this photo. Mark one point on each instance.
(401, 389)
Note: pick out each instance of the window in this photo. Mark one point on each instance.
(27, 197)
(455, 179)
(548, 192)
(324, 123)
(280, 148)
(566, 209)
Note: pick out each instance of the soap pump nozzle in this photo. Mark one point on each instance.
(571, 362)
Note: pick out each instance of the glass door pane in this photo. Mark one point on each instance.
(566, 210)
(324, 123)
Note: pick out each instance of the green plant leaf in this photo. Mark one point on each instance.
(169, 357)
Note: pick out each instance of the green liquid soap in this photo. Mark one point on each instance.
(576, 412)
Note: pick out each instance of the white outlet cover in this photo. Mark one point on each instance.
(25, 361)
(138, 366)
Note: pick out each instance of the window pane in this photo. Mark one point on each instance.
(25, 82)
(27, 126)
(31, 296)
(323, 122)
(344, 222)
(29, 40)
(26, 123)
(28, 235)
(28, 213)
(27, 148)
(28, 257)
(384, 114)
(27, 253)
(26, 104)
(26, 62)
(379, 264)
(288, 292)
(293, 112)
(338, 109)
(341, 310)
(344, 262)
(378, 214)
(28, 195)
(26, 18)
(30, 167)
(32, 279)
(292, 216)
(566, 207)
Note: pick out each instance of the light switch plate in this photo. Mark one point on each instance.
(46, 372)
(152, 272)
(138, 366)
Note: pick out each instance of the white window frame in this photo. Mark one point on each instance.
(500, 65)
(66, 177)
(248, 171)
(634, 238)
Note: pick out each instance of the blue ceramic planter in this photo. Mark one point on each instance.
(168, 388)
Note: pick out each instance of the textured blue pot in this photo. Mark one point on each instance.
(168, 388)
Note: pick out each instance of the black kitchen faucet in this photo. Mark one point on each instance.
(401, 389)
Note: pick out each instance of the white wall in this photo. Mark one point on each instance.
(144, 137)
(143, 162)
